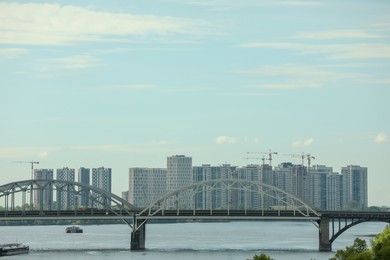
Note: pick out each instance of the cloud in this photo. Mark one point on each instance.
(228, 4)
(337, 34)
(104, 148)
(75, 62)
(381, 138)
(10, 53)
(161, 142)
(54, 24)
(305, 143)
(133, 86)
(27, 152)
(225, 140)
(294, 76)
(332, 51)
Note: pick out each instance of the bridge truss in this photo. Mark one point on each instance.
(41, 195)
(230, 198)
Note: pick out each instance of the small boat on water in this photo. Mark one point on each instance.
(13, 249)
(73, 229)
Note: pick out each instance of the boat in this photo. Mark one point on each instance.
(13, 249)
(73, 229)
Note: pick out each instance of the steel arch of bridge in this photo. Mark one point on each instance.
(282, 197)
(348, 223)
(101, 197)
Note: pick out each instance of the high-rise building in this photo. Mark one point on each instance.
(334, 192)
(179, 174)
(101, 178)
(66, 197)
(317, 186)
(83, 177)
(43, 199)
(282, 176)
(146, 185)
(212, 199)
(355, 187)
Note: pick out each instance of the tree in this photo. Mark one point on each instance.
(358, 251)
(262, 256)
(380, 249)
(381, 245)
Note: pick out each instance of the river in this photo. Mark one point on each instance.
(281, 240)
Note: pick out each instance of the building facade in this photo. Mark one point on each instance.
(83, 177)
(101, 178)
(355, 187)
(179, 175)
(43, 199)
(146, 185)
(66, 196)
(317, 186)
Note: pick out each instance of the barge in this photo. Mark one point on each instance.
(73, 229)
(13, 249)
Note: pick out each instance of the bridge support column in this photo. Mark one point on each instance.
(324, 244)
(138, 236)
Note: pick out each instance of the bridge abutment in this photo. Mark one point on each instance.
(138, 236)
(324, 243)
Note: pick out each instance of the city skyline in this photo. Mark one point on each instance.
(127, 84)
(319, 186)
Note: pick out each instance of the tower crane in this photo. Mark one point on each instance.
(303, 156)
(32, 166)
(270, 153)
(256, 158)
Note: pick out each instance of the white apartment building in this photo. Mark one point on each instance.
(101, 178)
(43, 198)
(179, 174)
(66, 198)
(146, 185)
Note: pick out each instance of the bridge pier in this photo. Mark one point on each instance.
(324, 243)
(138, 236)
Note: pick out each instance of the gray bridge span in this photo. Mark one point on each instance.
(330, 224)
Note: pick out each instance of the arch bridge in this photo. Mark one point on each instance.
(220, 199)
(41, 195)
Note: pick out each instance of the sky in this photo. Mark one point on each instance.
(122, 84)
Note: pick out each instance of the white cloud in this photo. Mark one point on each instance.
(301, 3)
(75, 62)
(224, 4)
(333, 51)
(133, 86)
(290, 86)
(381, 138)
(305, 143)
(256, 140)
(11, 53)
(225, 140)
(294, 76)
(27, 152)
(53, 24)
(103, 148)
(161, 142)
(337, 34)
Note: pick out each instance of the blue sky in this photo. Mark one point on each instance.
(127, 83)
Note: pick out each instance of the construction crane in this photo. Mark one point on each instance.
(309, 157)
(303, 156)
(270, 153)
(256, 158)
(32, 167)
